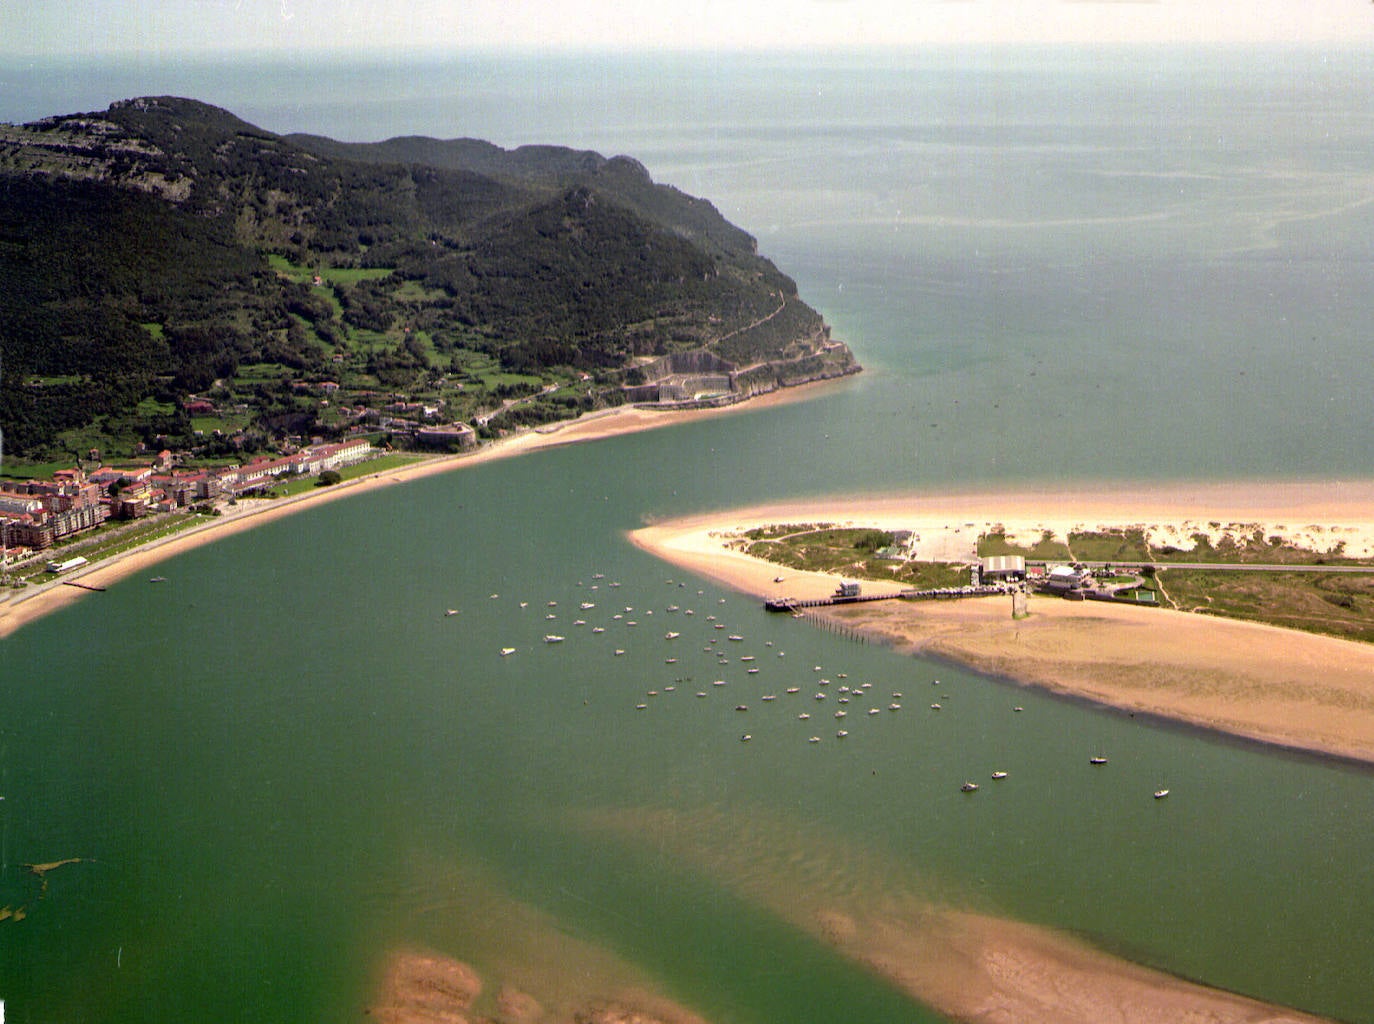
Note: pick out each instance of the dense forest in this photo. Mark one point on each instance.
(171, 274)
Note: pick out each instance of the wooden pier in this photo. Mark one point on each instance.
(794, 604)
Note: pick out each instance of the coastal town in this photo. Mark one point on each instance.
(37, 515)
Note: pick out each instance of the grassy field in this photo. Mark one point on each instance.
(343, 276)
(1046, 549)
(1339, 605)
(846, 552)
(302, 484)
(108, 540)
(19, 469)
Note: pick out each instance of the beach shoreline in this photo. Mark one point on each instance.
(1280, 687)
(21, 607)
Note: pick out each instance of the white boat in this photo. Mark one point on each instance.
(735, 636)
(507, 650)
(842, 733)
(587, 604)
(814, 739)
(1097, 760)
(447, 612)
(1160, 794)
(553, 638)
(598, 629)
(999, 775)
(579, 622)
(671, 636)
(969, 787)
(619, 651)
(753, 671)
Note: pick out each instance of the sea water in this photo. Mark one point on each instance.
(1058, 267)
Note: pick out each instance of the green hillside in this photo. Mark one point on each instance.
(172, 275)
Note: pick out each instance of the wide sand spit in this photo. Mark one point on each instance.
(1264, 683)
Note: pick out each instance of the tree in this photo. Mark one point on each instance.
(330, 477)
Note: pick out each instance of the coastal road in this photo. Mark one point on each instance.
(1367, 570)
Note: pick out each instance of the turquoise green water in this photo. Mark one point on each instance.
(286, 760)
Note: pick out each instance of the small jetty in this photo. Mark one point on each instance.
(83, 586)
(849, 593)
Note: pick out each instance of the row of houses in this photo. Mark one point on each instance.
(36, 514)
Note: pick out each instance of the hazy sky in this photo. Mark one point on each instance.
(169, 27)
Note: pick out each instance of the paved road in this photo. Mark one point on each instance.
(1366, 570)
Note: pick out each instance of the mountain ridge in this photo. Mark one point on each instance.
(165, 253)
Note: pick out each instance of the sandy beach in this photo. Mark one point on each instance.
(19, 608)
(1264, 683)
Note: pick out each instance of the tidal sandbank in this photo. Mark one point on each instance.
(1273, 685)
(968, 965)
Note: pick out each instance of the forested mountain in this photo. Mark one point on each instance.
(170, 273)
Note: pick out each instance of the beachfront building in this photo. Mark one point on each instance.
(1003, 568)
(39, 513)
(1064, 579)
(450, 435)
(346, 453)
